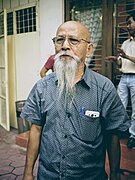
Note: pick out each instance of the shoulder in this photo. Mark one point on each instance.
(100, 81)
(51, 58)
(125, 43)
(49, 63)
(48, 80)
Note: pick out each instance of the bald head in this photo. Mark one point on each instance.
(77, 27)
(73, 37)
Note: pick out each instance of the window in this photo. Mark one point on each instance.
(1, 24)
(10, 23)
(26, 20)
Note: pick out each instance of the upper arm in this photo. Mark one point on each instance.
(32, 108)
(113, 112)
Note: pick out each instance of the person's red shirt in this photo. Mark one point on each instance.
(49, 63)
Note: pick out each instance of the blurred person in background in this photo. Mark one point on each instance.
(126, 63)
(47, 66)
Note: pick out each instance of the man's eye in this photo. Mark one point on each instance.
(73, 41)
(60, 40)
(129, 22)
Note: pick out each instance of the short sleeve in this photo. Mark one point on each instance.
(32, 109)
(114, 113)
(49, 63)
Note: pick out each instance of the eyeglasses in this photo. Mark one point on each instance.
(129, 22)
(59, 41)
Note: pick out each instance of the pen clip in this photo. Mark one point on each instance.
(82, 112)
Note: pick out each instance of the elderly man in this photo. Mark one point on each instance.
(76, 115)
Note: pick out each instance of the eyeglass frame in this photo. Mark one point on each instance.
(68, 39)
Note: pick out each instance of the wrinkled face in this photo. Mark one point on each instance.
(72, 46)
(131, 25)
(75, 40)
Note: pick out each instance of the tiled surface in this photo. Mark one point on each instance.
(12, 157)
(127, 164)
(22, 139)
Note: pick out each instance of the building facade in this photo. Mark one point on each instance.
(26, 31)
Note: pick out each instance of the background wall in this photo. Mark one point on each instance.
(51, 16)
(27, 52)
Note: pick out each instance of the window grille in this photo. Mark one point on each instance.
(10, 23)
(1, 24)
(89, 12)
(26, 20)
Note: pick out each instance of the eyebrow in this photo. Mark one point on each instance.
(69, 36)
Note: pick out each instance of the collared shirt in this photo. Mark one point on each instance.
(129, 48)
(72, 140)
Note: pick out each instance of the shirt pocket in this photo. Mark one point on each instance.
(89, 128)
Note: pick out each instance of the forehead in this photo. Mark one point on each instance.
(71, 29)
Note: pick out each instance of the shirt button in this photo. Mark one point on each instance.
(68, 115)
(65, 136)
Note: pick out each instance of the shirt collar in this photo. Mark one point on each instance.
(85, 78)
(131, 38)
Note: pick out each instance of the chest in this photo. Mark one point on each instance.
(130, 48)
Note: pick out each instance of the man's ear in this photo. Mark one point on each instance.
(89, 49)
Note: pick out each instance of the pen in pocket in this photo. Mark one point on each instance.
(82, 112)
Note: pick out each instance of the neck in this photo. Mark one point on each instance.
(132, 34)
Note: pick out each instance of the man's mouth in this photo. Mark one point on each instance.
(65, 55)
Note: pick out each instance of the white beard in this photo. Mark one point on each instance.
(65, 68)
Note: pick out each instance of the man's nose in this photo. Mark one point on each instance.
(66, 44)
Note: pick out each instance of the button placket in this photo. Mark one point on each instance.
(64, 144)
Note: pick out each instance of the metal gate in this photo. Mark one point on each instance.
(123, 9)
(90, 14)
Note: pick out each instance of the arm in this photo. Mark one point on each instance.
(113, 149)
(115, 59)
(43, 71)
(130, 58)
(124, 55)
(32, 151)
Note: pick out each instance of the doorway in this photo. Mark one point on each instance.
(22, 39)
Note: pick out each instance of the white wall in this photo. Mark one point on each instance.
(25, 67)
(51, 16)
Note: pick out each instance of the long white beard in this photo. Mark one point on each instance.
(66, 68)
